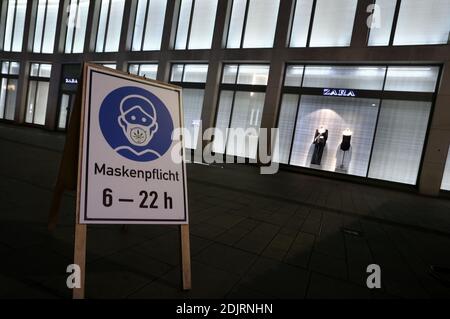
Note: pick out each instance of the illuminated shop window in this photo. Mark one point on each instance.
(38, 85)
(241, 105)
(192, 78)
(109, 25)
(148, 25)
(45, 26)
(11, 28)
(196, 20)
(76, 26)
(334, 118)
(252, 23)
(8, 89)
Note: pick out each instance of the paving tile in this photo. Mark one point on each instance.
(226, 258)
(323, 287)
(300, 252)
(207, 282)
(328, 265)
(279, 246)
(207, 231)
(276, 279)
(257, 240)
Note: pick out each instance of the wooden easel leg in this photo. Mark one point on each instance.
(80, 257)
(185, 257)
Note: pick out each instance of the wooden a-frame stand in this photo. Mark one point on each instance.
(68, 179)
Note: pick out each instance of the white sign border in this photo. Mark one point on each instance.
(89, 68)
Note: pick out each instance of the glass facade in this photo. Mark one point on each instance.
(45, 26)
(196, 20)
(386, 107)
(148, 25)
(38, 85)
(192, 77)
(240, 109)
(12, 25)
(8, 91)
(76, 26)
(325, 127)
(252, 23)
(109, 25)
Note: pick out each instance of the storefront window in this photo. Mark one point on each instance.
(148, 25)
(192, 77)
(196, 24)
(334, 118)
(76, 26)
(334, 115)
(446, 178)
(252, 23)
(144, 69)
(240, 110)
(38, 93)
(398, 146)
(423, 22)
(45, 26)
(8, 90)
(11, 27)
(109, 25)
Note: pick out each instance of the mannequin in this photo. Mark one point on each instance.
(320, 140)
(345, 144)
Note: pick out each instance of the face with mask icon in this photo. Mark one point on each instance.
(138, 119)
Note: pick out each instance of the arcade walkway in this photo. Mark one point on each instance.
(270, 236)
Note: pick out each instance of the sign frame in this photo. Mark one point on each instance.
(84, 150)
(69, 178)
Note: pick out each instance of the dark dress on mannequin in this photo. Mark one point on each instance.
(345, 145)
(320, 139)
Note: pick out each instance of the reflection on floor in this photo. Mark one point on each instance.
(283, 236)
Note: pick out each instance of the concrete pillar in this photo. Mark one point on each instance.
(126, 35)
(277, 64)
(438, 140)
(22, 85)
(167, 41)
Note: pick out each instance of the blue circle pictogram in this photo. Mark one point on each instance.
(136, 124)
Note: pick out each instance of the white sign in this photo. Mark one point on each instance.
(132, 171)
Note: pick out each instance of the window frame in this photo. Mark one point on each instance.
(139, 64)
(8, 76)
(188, 35)
(74, 29)
(37, 79)
(144, 30)
(235, 87)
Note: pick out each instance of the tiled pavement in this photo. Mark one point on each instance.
(257, 236)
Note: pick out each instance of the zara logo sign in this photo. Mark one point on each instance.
(339, 92)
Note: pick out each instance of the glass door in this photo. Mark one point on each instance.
(65, 108)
